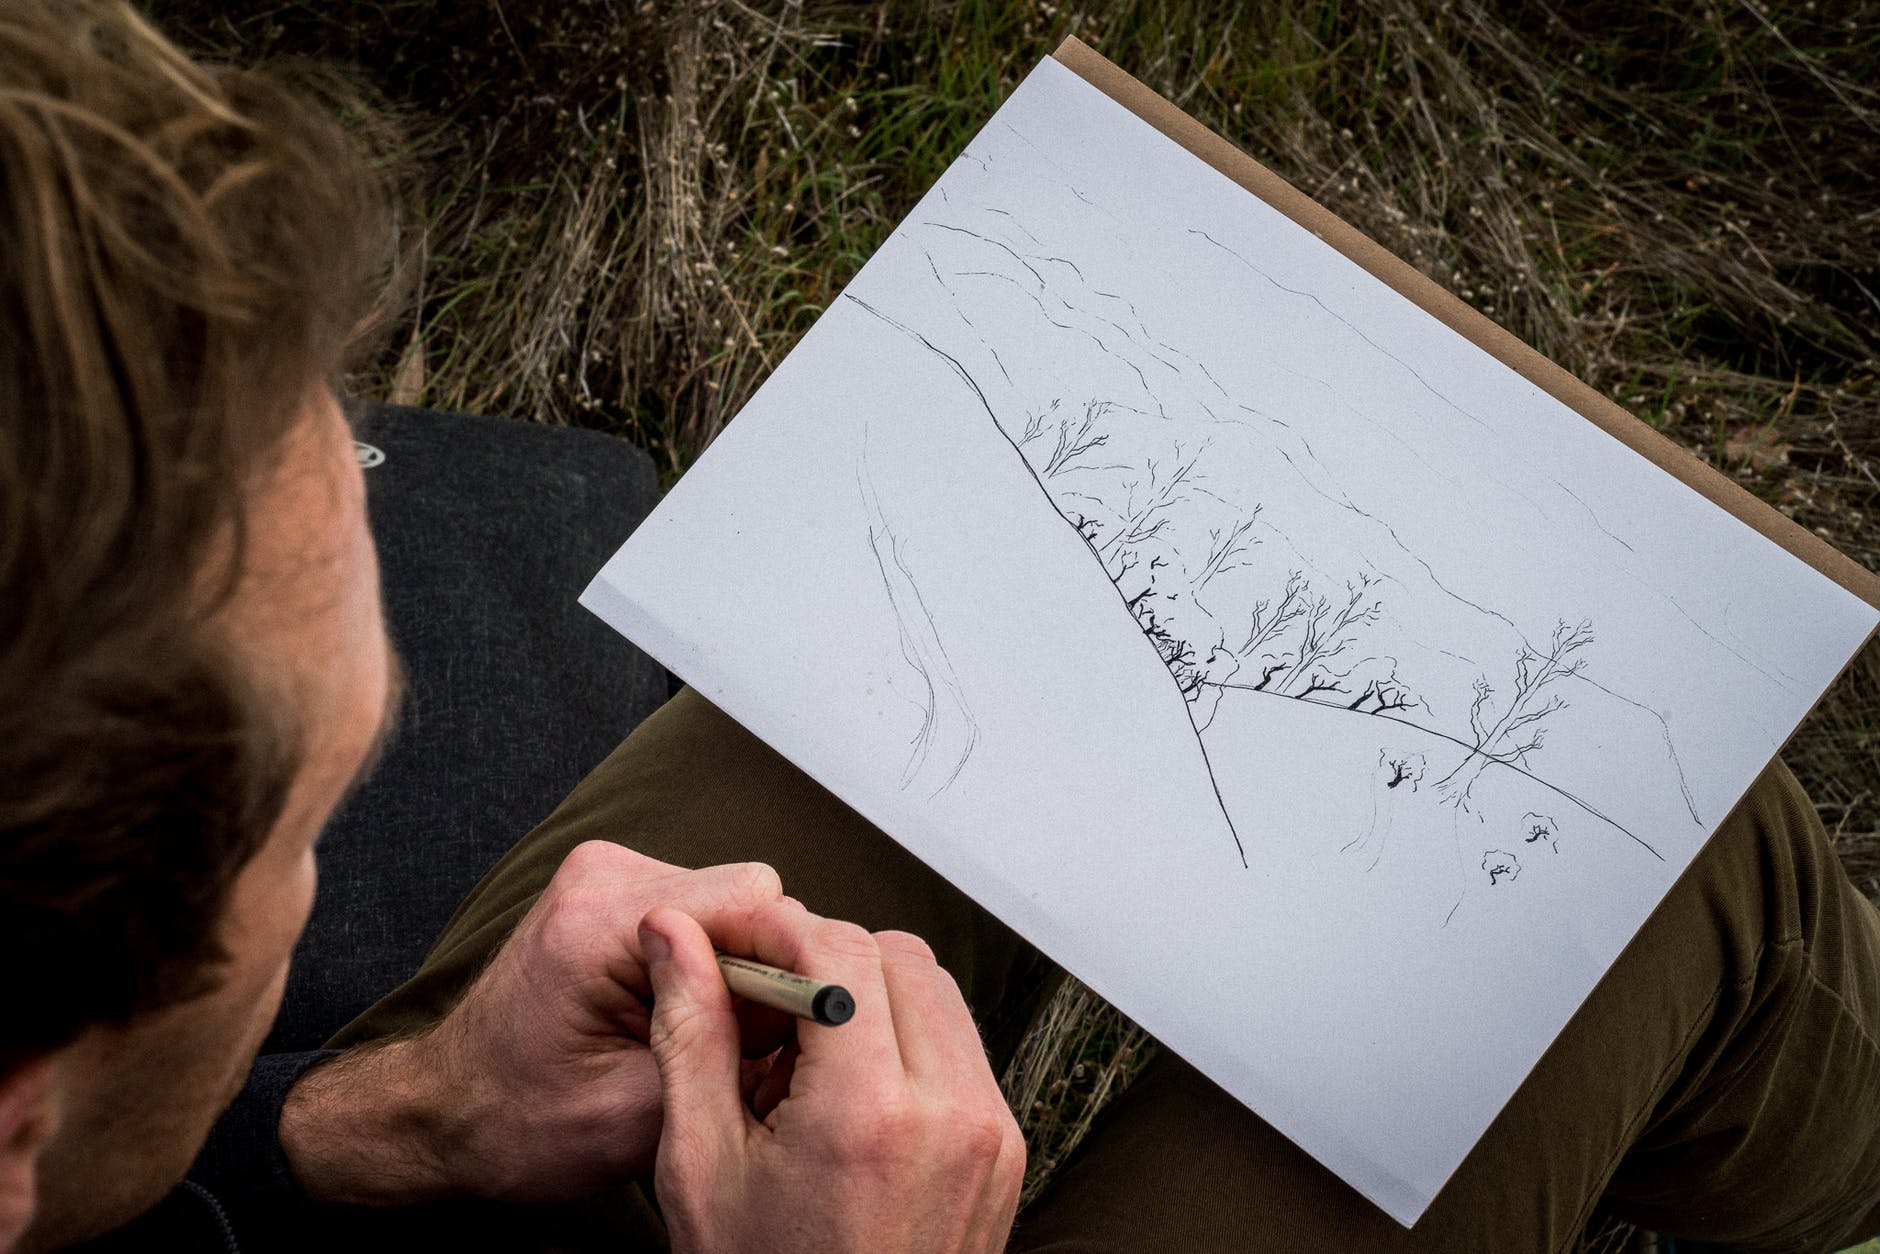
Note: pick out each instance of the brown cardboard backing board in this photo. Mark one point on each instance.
(1436, 301)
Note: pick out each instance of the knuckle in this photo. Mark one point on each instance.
(592, 857)
(843, 939)
(905, 945)
(675, 1032)
(569, 911)
(1008, 1172)
(982, 1134)
(756, 881)
(612, 862)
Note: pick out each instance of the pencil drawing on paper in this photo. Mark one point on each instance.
(948, 732)
(1241, 541)
(1170, 584)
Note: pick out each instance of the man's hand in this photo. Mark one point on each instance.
(892, 1134)
(538, 1085)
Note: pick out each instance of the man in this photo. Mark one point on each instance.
(195, 672)
(194, 669)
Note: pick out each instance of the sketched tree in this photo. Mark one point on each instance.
(1147, 502)
(1519, 729)
(1036, 422)
(1385, 694)
(1227, 549)
(1267, 625)
(1329, 632)
(1397, 768)
(1538, 827)
(1074, 439)
(1500, 866)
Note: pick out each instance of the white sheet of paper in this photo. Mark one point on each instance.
(1315, 688)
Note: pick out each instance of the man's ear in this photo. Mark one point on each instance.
(29, 1115)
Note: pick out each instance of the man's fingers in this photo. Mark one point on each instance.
(997, 1206)
(596, 900)
(694, 1039)
(933, 1027)
(717, 896)
(862, 1051)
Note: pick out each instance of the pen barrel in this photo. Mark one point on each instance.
(828, 1004)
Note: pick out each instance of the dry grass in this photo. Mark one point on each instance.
(632, 213)
(1078, 1054)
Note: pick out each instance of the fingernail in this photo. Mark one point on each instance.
(654, 946)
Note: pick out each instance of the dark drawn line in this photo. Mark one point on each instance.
(1037, 300)
(1198, 363)
(929, 706)
(987, 239)
(1346, 503)
(1472, 750)
(1462, 866)
(1092, 336)
(1016, 221)
(1590, 514)
(1061, 261)
(1304, 561)
(1209, 493)
(1412, 370)
(1057, 165)
(1263, 416)
(1147, 343)
(967, 377)
(1129, 305)
(955, 297)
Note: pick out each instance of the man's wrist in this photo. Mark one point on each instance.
(380, 1125)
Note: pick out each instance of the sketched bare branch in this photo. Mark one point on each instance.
(1269, 621)
(1159, 493)
(1072, 445)
(1226, 548)
(1519, 730)
(1331, 629)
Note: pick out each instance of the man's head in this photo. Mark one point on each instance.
(192, 663)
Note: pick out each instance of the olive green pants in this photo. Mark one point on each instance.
(1722, 1082)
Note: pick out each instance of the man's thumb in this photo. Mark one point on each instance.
(694, 1032)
